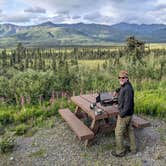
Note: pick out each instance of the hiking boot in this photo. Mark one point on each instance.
(132, 152)
(127, 149)
(118, 155)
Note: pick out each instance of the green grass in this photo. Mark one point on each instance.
(157, 45)
(21, 129)
(151, 102)
(39, 153)
(7, 144)
(162, 132)
(31, 115)
(91, 64)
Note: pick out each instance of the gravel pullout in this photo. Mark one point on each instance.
(58, 146)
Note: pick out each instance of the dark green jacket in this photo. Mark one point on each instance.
(126, 100)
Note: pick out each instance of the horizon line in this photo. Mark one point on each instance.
(81, 23)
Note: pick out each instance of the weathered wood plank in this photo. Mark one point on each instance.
(139, 122)
(85, 106)
(110, 110)
(79, 128)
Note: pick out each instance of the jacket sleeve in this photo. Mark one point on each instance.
(117, 90)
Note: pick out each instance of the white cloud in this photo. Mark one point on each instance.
(160, 7)
(35, 10)
(16, 18)
(88, 11)
(97, 18)
(76, 17)
(20, 18)
(2, 2)
(59, 18)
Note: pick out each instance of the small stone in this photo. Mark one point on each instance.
(138, 154)
(11, 158)
(45, 155)
(157, 156)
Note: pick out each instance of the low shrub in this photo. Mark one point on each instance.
(21, 129)
(6, 117)
(28, 113)
(7, 144)
(39, 122)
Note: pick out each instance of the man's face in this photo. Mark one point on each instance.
(122, 80)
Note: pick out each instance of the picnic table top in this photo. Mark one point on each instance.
(84, 101)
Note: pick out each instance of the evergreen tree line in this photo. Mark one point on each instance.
(35, 74)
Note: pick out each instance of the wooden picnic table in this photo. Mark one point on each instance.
(105, 121)
(98, 121)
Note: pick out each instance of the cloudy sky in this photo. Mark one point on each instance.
(29, 12)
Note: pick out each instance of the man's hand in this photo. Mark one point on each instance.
(115, 94)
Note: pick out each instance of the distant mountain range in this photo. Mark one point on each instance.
(49, 34)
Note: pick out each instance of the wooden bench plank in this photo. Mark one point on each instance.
(81, 130)
(138, 122)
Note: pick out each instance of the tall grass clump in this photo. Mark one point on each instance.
(31, 114)
(7, 144)
(152, 102)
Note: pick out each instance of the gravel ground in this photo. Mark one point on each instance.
(58, 146)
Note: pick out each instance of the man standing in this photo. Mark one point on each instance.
(126, 109)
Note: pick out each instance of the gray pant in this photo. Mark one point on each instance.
(124, 125)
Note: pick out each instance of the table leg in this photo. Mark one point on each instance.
(77, 110)
(94, 126)
(88, 142)
(80, 114)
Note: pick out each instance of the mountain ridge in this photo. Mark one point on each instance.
(49, 33)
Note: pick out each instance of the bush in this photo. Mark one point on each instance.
(21, 129)
(6, 117)
(7, 144)
(40, 121)
(28, 113)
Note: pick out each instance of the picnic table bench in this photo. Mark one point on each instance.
(81, 130)
(105, 121)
